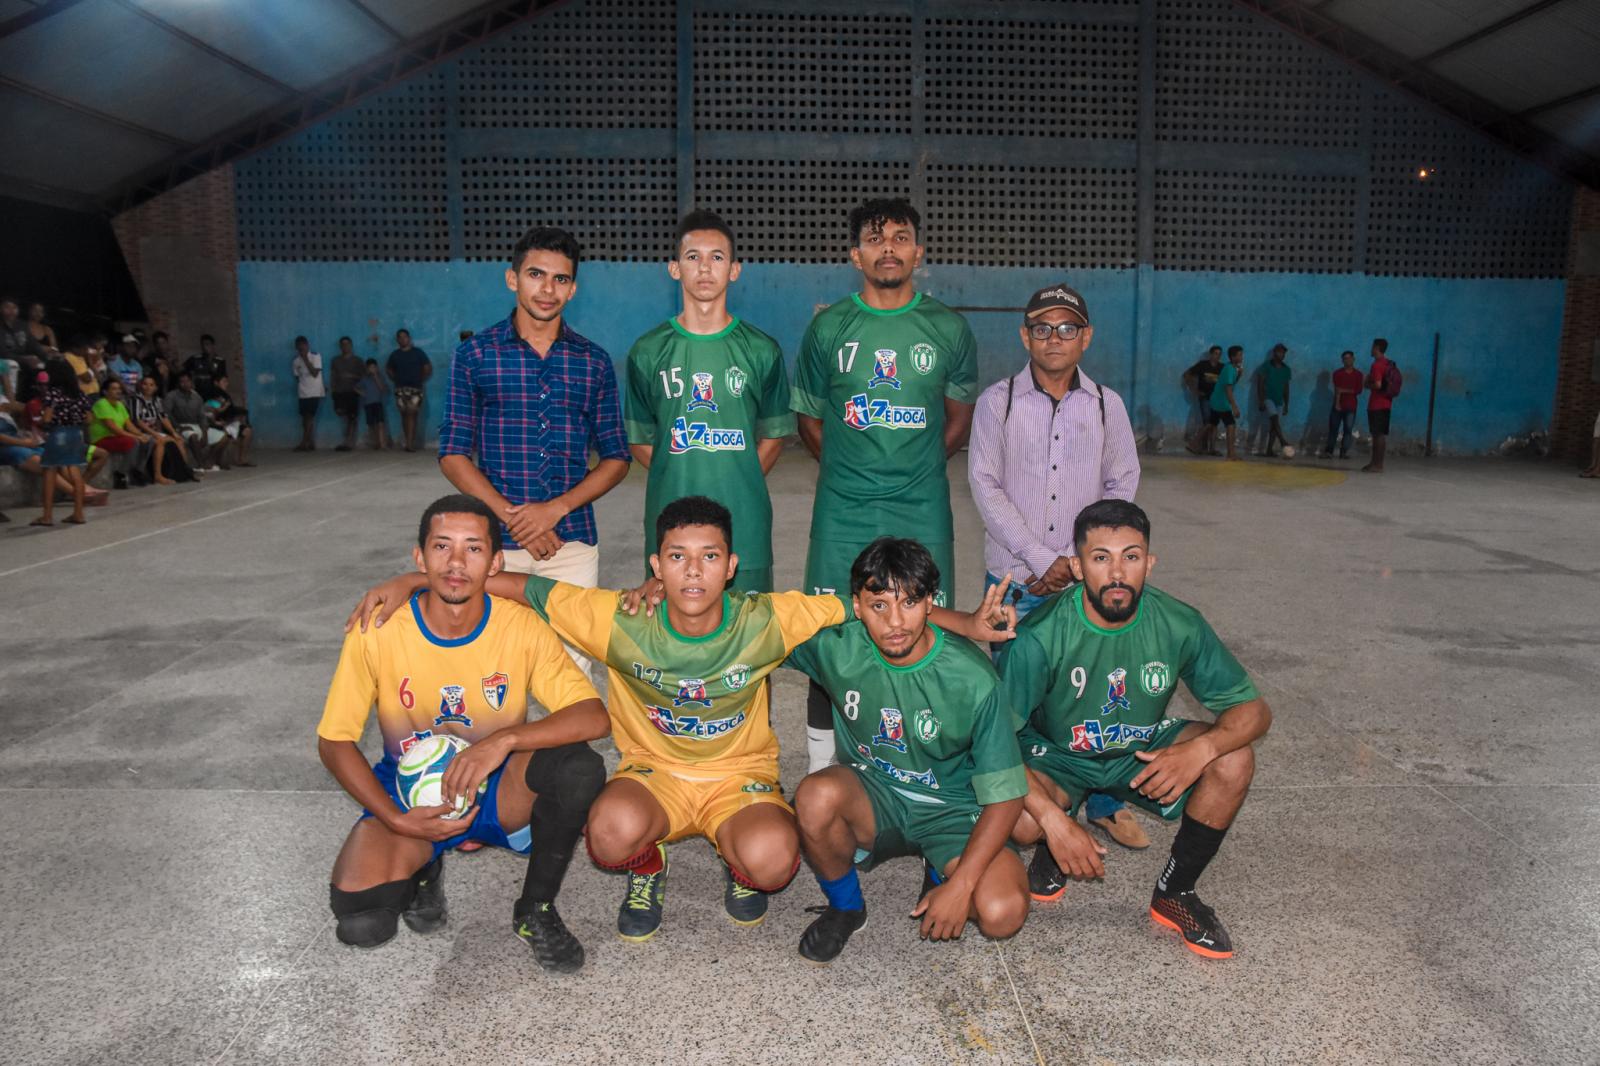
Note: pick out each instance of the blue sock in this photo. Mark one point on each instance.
(845, 893)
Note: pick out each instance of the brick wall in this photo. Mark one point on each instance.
(183, 251)
(1577, 387)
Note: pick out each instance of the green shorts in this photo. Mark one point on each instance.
(828, 565)
(1080, 775)
(909, 824)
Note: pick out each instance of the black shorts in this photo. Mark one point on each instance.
(1378, 422)
(309, 405)
(1215, 417)
(347, 404)
(374, 414)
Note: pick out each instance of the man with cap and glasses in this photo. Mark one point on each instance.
(1046, 443)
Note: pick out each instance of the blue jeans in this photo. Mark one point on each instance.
(1098, 804)
(1337, 417)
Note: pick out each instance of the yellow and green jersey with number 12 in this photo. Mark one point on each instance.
(702, 401)
(878, 380)
(699, 702)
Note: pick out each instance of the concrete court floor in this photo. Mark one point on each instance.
(1411, 881)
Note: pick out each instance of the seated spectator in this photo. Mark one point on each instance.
(63, 411)
(126, 366)
(94, 371)
(371, 389)
(168, 463)
(344, 379)
(18, 449)
(162, 370)
(18, 346)
(111, 427)
(206, 367)
(186, 409)
(234, 421)
(39, 329)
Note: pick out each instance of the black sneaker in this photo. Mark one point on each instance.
(1046, 881)
(427, 911)
(640, 914)
(826, 937)
(554, 948)
(746, 906)
(1203, 932)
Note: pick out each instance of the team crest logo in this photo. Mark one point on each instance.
(883, 370)
(1155, 677)
(891, 730)
(1116, 692)
(735, 379)
(691, 690)
(453, 706)
(701, 397)
(494, 689)
(927, 726)
(1037, 750)
(863, 413)
(756, 786)
(687, 436)
(410, 742)
(736, 676)
(923, 357)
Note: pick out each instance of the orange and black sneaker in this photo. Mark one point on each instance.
(1046, 882)
(1203, 932)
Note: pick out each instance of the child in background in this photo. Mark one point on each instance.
(371, 388)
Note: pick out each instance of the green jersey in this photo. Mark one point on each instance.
(939, 730)
(878, 380)
(1102, 692)
(702, 401)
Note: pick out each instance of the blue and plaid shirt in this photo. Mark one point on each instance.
(530, 422)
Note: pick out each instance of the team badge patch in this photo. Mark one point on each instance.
(927, 726)
(1037, 750)
(1155, 677)
(736, 676)
(735, 379)
(883, 369)
(923, 357)
(756, 786)
(453, 706)
(891, 730)
(701, 395)
(1116, 692)
(691, 690)
(494, 689)
(410, 742)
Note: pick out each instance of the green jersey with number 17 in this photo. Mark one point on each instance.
(878, 380)
(1102, 693)
(938, 730)
(702, 401)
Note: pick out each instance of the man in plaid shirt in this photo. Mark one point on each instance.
(529, 398)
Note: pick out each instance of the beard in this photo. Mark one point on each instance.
(454, 601)
(1110, 612)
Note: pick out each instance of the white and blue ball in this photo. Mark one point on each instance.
(420, 776)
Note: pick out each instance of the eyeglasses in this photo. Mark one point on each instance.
(1067, 331)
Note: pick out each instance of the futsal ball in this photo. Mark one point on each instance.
(420, 777)
(1288, 451)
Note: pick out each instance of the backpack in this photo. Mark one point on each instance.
(1392, 380)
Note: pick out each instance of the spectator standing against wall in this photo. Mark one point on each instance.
(1347, 385)
(1201, 379)
(344, 380)
(1046, 443)
(1224, 405)
(1383, 385)
(409, 370)
(1275, 397)
(311, 388)
(529, 398)
(205, 367)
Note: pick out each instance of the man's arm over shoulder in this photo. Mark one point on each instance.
(580, 616)
(801, 616)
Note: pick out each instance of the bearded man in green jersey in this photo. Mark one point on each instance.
(708, 401)
(932, 768)
(884, 388)
(1094, 670)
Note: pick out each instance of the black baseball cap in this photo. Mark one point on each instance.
(1055, 296)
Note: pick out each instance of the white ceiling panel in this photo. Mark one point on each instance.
(1578, 123)
(1541, 58)
(69, 150)
(1412, 28)
(416, 17)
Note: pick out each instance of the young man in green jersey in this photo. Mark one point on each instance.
(932, 768)
(708, 401)
(1093, 670)
(884, 388)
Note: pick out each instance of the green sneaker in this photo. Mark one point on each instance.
(746, 906)
(640, 914)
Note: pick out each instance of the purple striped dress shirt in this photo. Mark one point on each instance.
(1034, 470)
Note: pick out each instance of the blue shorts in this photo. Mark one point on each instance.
(485, 826)
(17, 454)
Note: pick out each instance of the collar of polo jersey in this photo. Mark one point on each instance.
(933, 650)
(1138, 613)
(861, 304)
(416, 613)
(727, 613)
(717, 336)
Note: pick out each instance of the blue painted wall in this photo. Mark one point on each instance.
(1496, 376)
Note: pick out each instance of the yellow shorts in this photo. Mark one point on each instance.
(699, 799)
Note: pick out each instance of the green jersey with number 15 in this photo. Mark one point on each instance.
(878, 380)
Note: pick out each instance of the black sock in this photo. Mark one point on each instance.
(566, 780)
(819, 708)
(1194, 847)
